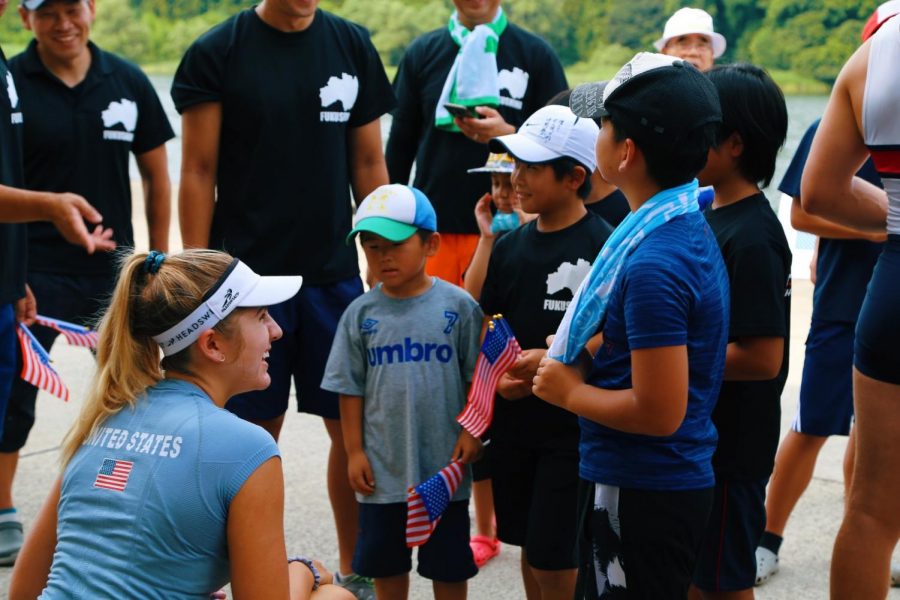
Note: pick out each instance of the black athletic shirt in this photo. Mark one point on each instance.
(525, 63)
(13, 247)
(78, 140)
(758, 260)
(613, 208)
(531, 278)
(844, 267)
(289, 103)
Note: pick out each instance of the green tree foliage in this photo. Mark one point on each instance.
(808, 37)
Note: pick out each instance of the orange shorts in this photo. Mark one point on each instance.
(453, 257)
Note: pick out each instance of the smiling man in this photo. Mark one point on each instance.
(689, 35)
(84, 111)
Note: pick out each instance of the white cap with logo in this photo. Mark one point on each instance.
(552, 132)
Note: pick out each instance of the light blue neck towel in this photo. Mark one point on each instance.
(587, 310)
(472, 80)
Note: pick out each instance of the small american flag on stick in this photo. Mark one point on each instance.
(76, 335)
(498, 352)
(427, 502)
(36, 368)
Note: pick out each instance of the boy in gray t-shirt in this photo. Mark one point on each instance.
(401, 360)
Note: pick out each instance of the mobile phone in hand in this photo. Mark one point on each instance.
(458, 110)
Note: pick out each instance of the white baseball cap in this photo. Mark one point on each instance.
(686, 21)
(552, 132)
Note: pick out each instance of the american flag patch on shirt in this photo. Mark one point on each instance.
(113, 474)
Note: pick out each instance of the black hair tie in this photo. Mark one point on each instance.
(154, 262)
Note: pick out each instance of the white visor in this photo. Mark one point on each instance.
(238, 286)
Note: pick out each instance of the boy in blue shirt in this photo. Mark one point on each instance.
(401, 360)
(758, 259)
(658, 293)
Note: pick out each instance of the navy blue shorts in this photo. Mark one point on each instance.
(381, 545)
(878, 327)
(7, 355)
(308, 322)
(826, 391)
(727, 559)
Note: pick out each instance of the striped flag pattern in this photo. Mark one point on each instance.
(427, 502)
(36, 368)
(76, 335)
(498, 352)
(113, 474)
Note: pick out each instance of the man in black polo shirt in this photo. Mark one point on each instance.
(84, 112)
(528, 75)
(281, 109)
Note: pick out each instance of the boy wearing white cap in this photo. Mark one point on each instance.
(689, 35)
(401, 360)
(532, 276)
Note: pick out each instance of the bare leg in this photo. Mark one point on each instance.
(449, 591)
(849, 457)
(343, 501)
(483, 497)
(392, 588)
(794, 465)
(860, 566)
(8, 463)
(532, 589)
(273, 426)
(556, 585)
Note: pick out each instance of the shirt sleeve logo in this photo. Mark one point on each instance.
(113, 474)
(123, 112)
(16, 116)
(343, 89)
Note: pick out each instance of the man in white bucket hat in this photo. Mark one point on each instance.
(689, 35)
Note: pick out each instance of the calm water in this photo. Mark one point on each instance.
(802, 111)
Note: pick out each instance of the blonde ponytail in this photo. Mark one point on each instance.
(143, 304)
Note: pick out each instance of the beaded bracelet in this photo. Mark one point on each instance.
(315, 572)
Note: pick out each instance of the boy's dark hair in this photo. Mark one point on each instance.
(754, 107)
(673, 164)
(563, 166)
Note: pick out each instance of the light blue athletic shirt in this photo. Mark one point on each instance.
(164, 534)
(410, 360)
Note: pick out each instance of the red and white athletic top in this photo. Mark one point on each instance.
(881, 114)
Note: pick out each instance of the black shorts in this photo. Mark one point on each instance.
(8, 344)
(482, 468)
(536, 501)
(727, 561)
(308, 322)
(381, 544)
(878, 327)
(639, 544)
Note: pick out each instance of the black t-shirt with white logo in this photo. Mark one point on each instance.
(289, 104)
(758, 260)
(529, 73)
(531, 278)
(13, 248)
(78, 140)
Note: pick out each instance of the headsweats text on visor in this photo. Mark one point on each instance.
(237, 282)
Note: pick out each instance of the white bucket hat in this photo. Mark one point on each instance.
(686, 21)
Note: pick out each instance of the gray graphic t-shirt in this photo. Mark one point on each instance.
(410, 360)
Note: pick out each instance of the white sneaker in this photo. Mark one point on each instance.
(895, 574)
(766, 564)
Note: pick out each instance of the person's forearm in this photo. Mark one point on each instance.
(803, 221)
(473, 281)
(368, 175)
(158, 209)
(351, 423)
(25, 206)
(196, 202)
(617, 409)
(746, 361)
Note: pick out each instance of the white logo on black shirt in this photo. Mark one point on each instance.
(123, 112)
(16, 117)
(343, 89)
(515, 82)
(567, 276)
